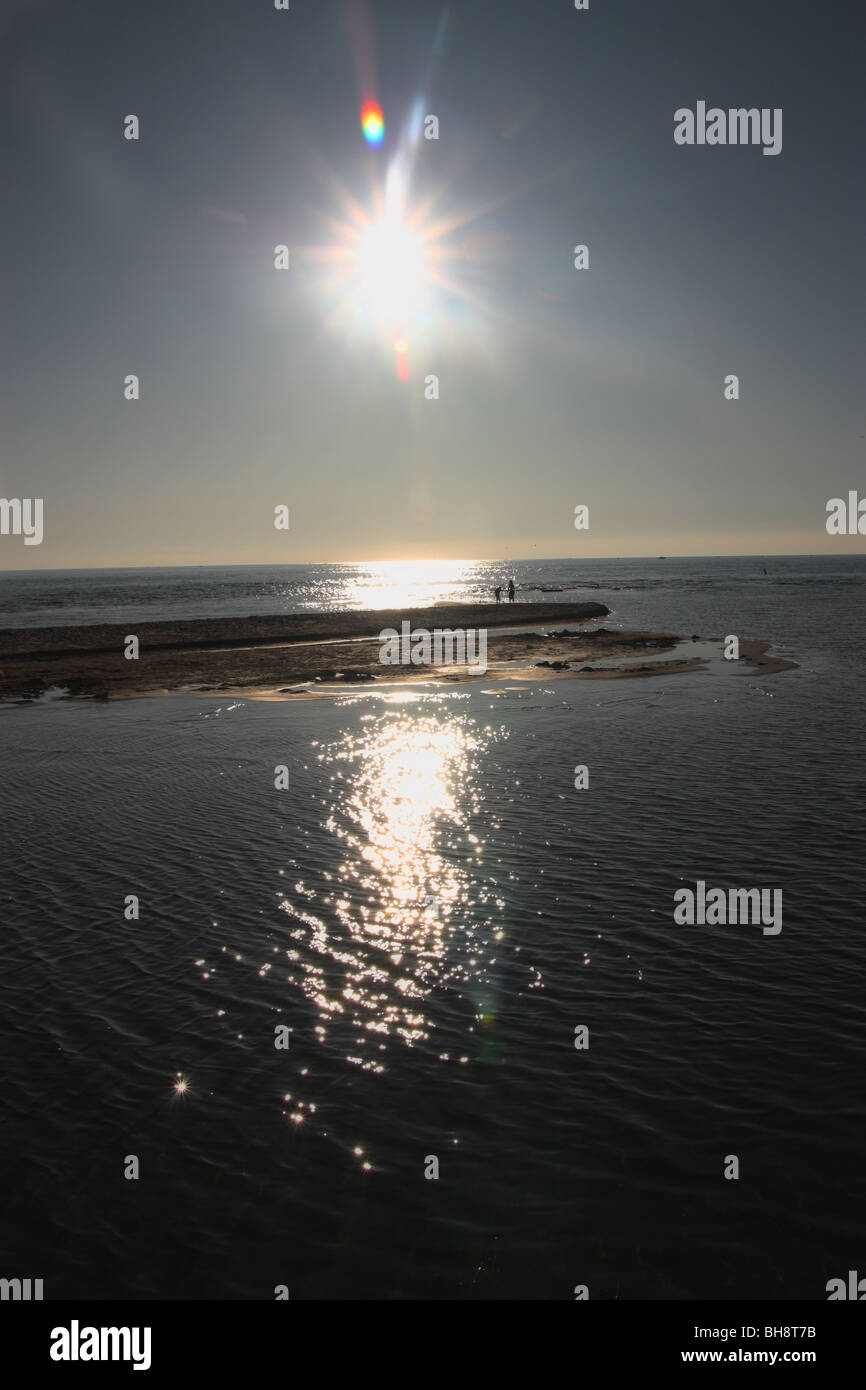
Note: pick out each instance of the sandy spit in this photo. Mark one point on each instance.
(306, 654)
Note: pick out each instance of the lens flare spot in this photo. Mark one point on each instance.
(372, 123)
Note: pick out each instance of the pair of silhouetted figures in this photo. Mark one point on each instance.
(498, 592)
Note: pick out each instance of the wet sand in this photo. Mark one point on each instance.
(303, 654)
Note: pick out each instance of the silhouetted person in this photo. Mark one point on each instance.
(498, 592)
(511, 591)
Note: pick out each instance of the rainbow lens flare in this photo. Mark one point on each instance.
(401, 348)
(372, 123)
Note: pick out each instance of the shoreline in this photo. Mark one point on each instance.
(306, 654)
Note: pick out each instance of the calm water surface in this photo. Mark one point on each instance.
(431, 909)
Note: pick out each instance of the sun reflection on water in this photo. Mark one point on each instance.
(412, 583)
(408, 909)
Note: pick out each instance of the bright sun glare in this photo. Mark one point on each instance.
(390, 266)
(394, 263)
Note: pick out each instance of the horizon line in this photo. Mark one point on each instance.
(487, 560)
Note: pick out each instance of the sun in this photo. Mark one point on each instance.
(396, 267)
(391, 273)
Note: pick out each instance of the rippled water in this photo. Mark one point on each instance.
(54, 598)
(431, 909)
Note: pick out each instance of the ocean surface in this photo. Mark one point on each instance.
(432, 909)
(57, 598)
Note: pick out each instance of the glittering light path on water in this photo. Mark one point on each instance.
(409, 909)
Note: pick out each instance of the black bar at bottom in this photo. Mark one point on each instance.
(224, 1339)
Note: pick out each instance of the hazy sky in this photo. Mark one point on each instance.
(557, 386)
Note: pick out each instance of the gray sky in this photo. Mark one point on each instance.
(556, 386)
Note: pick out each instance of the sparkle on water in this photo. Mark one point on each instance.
(410, 583)
(410, 908)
